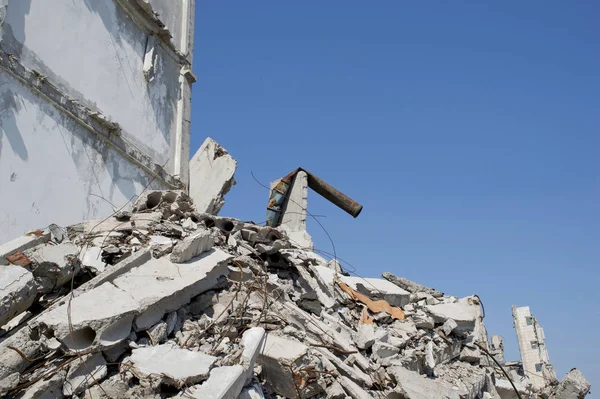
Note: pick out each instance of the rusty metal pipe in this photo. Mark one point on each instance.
(335, 196)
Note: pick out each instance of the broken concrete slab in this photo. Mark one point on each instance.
(410, 286)
(252, 342)
(573, 386)
(364, 336)
(353, 389)
(212, 172)
(17, 292)
(22, 243)
(160, 286)
(414, 386)
(463, 312)
(92, 325)
(53, 265)
(275, 356)
(192, 246)
(47, 388)
(85, 372)
(171, 364)
(378, 288)
(224, 383)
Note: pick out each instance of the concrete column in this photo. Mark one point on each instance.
(293, 220)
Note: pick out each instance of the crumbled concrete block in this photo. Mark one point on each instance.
(192, 246)
(354, 373)
(364, 337)
(252, 392)
(275, 355)
(467, 380)
(252, 341)
(175, 366)
(335, 391)
(47, 388)
(21, 244)
(158, 333)
(449, 326)
(573, 386)
(411, 385)
(211, 177)
(423, 320)
(506, 391)
(17, 292)
(383, 349)
(462, 312)
(378, 288)
(84, 373)
(224, 383)
(353, 389)
(10, 382)
(470, 355)
(53, 265)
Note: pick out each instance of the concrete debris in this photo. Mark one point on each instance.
(573, 386)
(170, 364)
(168, 300)
(85, 372)
(17, 292)
(211, 176)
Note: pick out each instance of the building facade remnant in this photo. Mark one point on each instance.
(532, 345)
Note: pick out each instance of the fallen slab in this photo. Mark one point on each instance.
(224, 383)
(17, 292)
(383, 289)
(411, 286)
(212, 172)
(171, 364)
(53, 265)
(253, 340)
(573, 386)
(21, 244)
(463, 312)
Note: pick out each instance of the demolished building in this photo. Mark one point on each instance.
(166, 300)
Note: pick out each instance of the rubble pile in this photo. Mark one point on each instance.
(163, 301)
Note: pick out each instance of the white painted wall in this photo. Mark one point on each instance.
(51, 167)
(93, 51)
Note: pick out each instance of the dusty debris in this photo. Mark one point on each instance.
(165, 301)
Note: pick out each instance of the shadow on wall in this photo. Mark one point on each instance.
(10, 105)
(163, 101)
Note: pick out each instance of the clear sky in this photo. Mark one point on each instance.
(469, 132)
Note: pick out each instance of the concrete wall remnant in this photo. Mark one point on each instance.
(94, 106)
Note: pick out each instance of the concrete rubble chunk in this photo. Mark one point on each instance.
(293, 220)
(21, 244)
(411, 286)
(573, 386)
(212, 172)
(192, 246)
(84, 373)
(190, 304)
(411, 385)
(354, 390)
(383, 289)
(463, 313)
(173, 365)
(17, 292)
(53, 265)
(224, 382)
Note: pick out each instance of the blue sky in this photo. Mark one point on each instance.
(469, 132)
